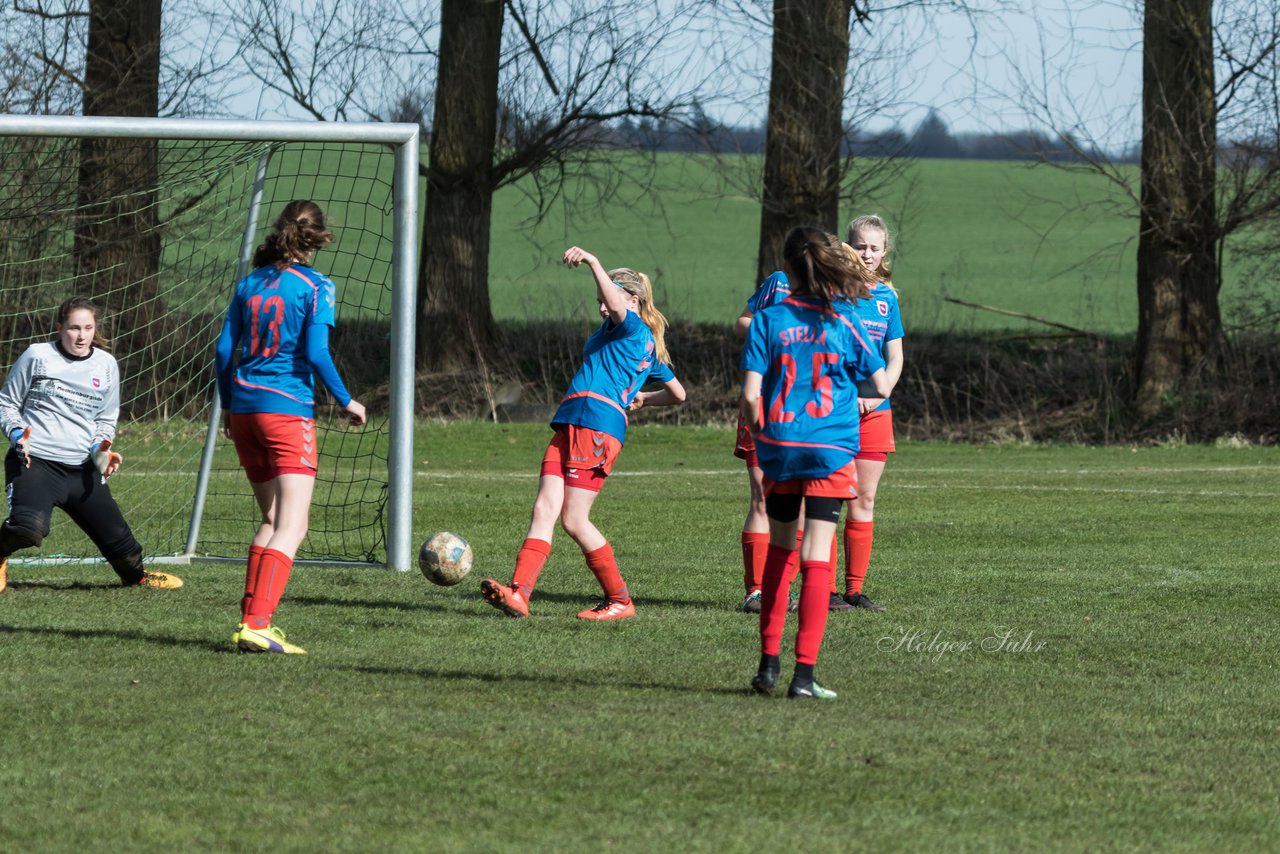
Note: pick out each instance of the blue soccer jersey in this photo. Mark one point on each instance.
(271, 317)
(810, 360)
(772, 291)
(881, 317)
(618, 359)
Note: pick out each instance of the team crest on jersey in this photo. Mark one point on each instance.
(882, 307)
(97, 382)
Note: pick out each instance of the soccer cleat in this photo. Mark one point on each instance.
(766, 678)
(860, 600)
(809, 691)
(159, 580)
(793, 602)
(608, 609)
(504, 598)
(751, 604)
(270, 639)
(837, 603)
(4, 573)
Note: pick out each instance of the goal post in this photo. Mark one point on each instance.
(203, 215)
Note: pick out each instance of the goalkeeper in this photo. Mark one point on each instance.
(59, 407)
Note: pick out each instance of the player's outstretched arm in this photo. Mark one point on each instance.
(614, 298)
(671, 394)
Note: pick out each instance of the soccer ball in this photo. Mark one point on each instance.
(445, 558)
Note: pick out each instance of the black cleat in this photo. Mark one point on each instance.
(766, 678)
(838, 604)
(860, 600)
(809, 691)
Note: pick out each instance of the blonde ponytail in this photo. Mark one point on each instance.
(637, 284)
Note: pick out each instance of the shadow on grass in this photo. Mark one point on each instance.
(641, 601)
(42, 584)
(117, 635)
(542, 680)
(368, 604)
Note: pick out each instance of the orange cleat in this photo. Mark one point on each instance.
(608, 609)
(502, 597)
(4, 574)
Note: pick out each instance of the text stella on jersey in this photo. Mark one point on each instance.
(802, 335)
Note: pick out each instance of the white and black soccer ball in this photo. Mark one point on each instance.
(445, 558)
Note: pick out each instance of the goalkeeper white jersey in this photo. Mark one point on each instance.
(70, 404)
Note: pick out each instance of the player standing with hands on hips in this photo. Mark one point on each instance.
(628, 350)
(279, 320)
(59, 407)
(802, 364)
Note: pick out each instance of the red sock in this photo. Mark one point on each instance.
(834, 563)
(793, 562)
(274, 567)
(857, 545)
(755, 546)
(814, 606)
(773, 598)
(529, 562)
(605, 569)
(250, 577)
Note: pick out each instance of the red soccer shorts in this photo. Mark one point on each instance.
(269, 444)
(841, 483)
(875, 433)
(583, 457)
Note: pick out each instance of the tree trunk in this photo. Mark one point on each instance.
(1179, 325)
(455, 321)
(117, 237)
(804, 130)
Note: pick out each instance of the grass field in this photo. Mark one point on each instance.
(1079, 654)
(1033, 239)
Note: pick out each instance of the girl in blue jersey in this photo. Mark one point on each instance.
(628, 350)
(879, 312)
(802, 363)
(279, 321)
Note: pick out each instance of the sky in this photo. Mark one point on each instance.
(1010, 65)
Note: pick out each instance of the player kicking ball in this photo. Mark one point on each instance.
(59, 407)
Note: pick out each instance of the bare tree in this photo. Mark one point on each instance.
(117, 241)
(837, 66)
(1179, 325)
(522, 90)
(802, 140)
(453, 279)
(1210, 170)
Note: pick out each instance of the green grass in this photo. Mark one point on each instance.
(1033, 239)
(1136, 713)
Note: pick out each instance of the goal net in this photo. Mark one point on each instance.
(155, 221)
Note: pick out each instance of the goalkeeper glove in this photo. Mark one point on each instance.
(18, 438)
(106, 460)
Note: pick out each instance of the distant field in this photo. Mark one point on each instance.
(1079, 655)
(1056, 244)
(1036, 240)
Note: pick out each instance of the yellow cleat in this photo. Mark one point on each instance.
(270, 639)
(160, 580)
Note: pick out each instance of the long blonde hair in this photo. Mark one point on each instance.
(874, 221)
(637, 284)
